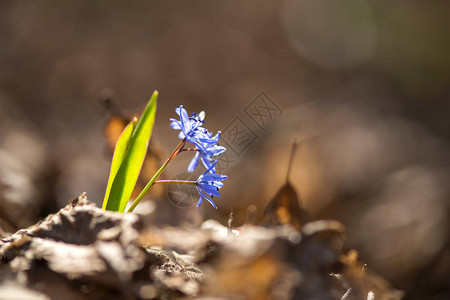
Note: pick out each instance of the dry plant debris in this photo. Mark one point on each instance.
(85, 252)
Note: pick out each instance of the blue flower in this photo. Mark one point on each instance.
(190, 126)
(203, 140)
(208, 185)
(209, 152)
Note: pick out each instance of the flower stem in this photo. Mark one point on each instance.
(176, 181)
(189, 149)
(152, 181)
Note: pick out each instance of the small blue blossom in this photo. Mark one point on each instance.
(208, 154)
(190, 126)
(203, 140)
(208, 185)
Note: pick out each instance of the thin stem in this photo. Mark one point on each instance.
(291, 159)
(152, 181)
(189, 149)
(176, 181)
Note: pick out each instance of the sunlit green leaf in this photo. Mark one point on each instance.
(119, 154)
(128, 172)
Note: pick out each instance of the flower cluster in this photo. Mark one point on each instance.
(207, 150)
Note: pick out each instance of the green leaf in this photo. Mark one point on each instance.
(131, 165)
(119, 154)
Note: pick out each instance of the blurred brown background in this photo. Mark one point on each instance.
(363, 85)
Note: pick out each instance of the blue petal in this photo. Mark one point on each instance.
(209, 139)
(209, 200)
(178, 110)
(200, 201)
(175, 125)
(207, 163)
(216, 150)
(210, 190)
(218, 184)
(206, 140)
(185, 122)
(212, 177)
(194, 162)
